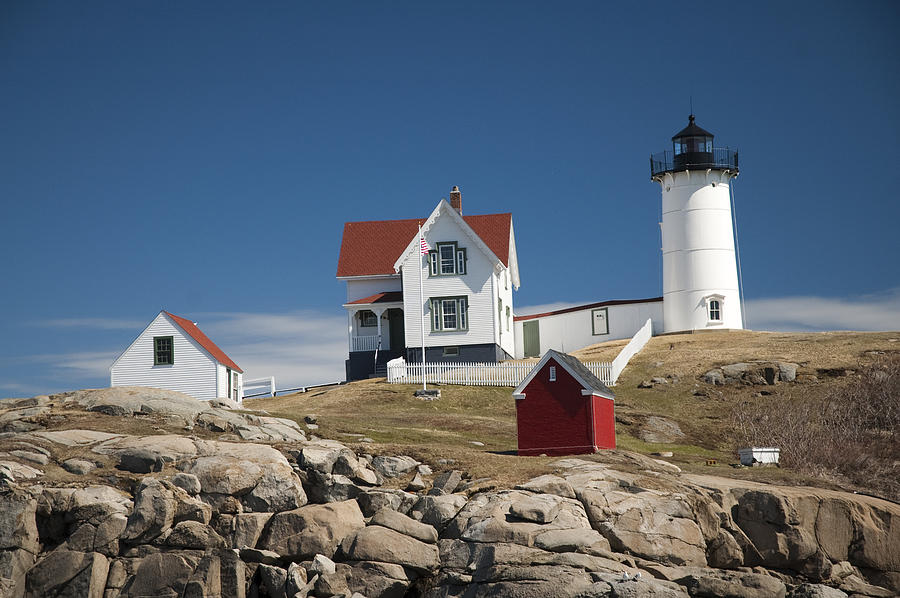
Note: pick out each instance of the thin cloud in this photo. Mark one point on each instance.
(805, 313)
(97, 323)
(299, 348)
(82, 365)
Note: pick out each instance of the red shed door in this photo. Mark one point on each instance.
(604, 423)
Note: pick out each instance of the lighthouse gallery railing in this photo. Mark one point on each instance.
(720, 157)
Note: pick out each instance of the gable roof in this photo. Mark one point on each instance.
(195, 333)
(371, 248)
(578, 370)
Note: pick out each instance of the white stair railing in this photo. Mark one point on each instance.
(636, 343)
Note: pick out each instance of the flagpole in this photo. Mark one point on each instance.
(422, 305)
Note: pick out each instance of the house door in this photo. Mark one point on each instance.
(396, 332)
(228, 382)
(532, 338)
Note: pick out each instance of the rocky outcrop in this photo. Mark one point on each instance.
(278, 515)
(754, 372)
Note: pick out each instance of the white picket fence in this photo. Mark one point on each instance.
(259, 387)
(509, 373)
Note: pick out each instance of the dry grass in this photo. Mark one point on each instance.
(445, 429)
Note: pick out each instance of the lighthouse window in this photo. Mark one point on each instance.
(715, 310)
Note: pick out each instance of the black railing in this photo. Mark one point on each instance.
(721, 157)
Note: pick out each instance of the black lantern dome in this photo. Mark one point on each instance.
(692, 149)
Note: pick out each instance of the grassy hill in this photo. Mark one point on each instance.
(448, 429)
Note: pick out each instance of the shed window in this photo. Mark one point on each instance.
(552, 373)
(163, 350)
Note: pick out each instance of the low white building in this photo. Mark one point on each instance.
(577, 327)
(173, 354)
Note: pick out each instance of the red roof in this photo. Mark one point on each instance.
(386, 297)
(371, 248)
(197, 334)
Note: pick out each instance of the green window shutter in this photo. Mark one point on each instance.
(432, 263)
(435, 315)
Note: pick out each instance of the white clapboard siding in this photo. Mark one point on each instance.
(361, 287)
(193, 371)
(476, 285)
(222, 372)
(475, 374)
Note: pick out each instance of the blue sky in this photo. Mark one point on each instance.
(202, 157)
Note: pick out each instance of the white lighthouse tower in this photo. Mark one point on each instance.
(700, 278)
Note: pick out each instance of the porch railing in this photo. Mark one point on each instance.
(364, 343)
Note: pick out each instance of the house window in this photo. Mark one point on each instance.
(163, 350)
(367, 318)
(451, 351)
(599, 321)
(552, 373)
(449, 313)
(500, 313)
(715, 310)
(446, 260)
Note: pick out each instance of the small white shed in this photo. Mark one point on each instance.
(173, 354)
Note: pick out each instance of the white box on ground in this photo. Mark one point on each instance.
(756, 454)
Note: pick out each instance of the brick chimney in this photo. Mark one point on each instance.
(456, 199)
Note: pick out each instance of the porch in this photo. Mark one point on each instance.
(376, 323)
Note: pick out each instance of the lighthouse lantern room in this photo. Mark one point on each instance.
(700, 277)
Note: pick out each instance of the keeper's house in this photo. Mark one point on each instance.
(464, 285)
(173, 354)
(564, 409)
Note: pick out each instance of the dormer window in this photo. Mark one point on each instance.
(714, 308)
(447, 259)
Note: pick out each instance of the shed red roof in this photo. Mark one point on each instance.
(371, 248)
(195, 333)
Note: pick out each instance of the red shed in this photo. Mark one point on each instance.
(564, 409)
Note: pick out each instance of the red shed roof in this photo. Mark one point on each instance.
(371, 248)
(195, 333)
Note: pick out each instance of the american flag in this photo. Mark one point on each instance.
(424, 245)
